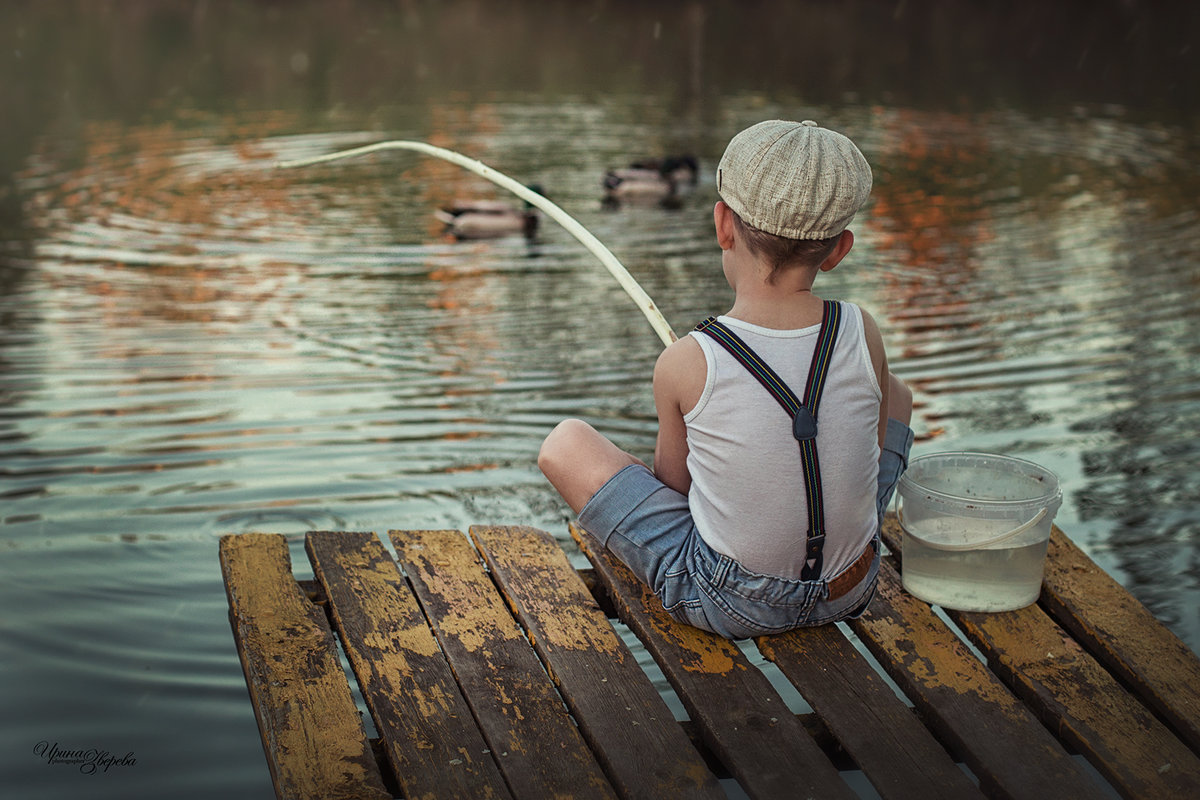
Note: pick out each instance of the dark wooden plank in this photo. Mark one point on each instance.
(311, 729)
(741, 718)
(890, 745)
(535, 742)
(644, 752)
(1082, 702)
(1118, 630)
(431, 739)
(971, 712)
(1072, 693)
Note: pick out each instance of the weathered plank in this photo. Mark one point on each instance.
(642, 749)
(972, 713)
(1118, 630)
(742, 720)
(312, 731)
(1072, 693)
(887, 741)
(1082, 702)
(538, 747)
(431, 739)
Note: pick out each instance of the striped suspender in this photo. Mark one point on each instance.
(803, 414)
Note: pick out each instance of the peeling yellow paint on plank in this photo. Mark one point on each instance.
(472, 617)
(627, 724)
(884, 738)
(1078, 698)
(1121, 633)
(312, 732)
(512, 697)
(428, 731)
(286, 643)
(912, 636)
(563, 607)
(741, 716)
(698, 651)
(975, 715)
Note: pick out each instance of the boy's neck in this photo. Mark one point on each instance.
(786, 303)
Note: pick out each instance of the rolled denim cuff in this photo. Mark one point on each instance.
(893, 460)
(609, 506)
(898, 440)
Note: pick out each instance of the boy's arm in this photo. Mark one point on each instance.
(679, 376)
(880, 363)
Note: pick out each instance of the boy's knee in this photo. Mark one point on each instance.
(564, 439)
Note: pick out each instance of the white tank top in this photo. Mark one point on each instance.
(747, 494)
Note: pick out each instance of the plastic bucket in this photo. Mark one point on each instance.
(976, 526)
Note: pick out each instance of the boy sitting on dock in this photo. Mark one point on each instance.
(756, 519)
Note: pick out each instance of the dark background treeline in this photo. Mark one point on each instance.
(117, 56)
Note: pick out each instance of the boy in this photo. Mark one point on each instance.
(720, 529)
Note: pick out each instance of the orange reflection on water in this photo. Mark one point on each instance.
(928, 213)
(929, 218)
(155, 172)
(166, 221)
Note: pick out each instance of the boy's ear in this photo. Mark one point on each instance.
(723, 222)
(844, 243)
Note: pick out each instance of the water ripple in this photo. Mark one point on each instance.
(201, 342)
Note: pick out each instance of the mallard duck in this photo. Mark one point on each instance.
(489, 219)
(651, 180)
(682, 170)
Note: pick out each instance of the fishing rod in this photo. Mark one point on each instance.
(573, 226)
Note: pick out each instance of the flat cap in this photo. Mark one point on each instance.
(794, 179)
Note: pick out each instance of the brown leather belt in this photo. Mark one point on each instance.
(850, 577)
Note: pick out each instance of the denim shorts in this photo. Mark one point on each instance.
(649, 527)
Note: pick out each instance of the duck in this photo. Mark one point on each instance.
(489, 219)
(683, 170)
(651, 180)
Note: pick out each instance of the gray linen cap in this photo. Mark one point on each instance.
(794, 179)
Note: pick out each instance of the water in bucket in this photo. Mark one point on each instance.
(976, 527)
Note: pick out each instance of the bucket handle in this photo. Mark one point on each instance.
(985, 543)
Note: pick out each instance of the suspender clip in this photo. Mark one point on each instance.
(814, 558)
(804, 425)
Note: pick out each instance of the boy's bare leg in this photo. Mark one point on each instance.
(578, 460)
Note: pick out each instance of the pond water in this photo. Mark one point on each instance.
(194, 343)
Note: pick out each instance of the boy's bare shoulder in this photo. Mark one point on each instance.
(874, 343)
(870, 327)
(680, 354)
(680, 372)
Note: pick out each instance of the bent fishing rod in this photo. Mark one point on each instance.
(552, 210)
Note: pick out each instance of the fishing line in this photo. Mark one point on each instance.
(573, 226)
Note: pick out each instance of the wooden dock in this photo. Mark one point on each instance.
(490, 667)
